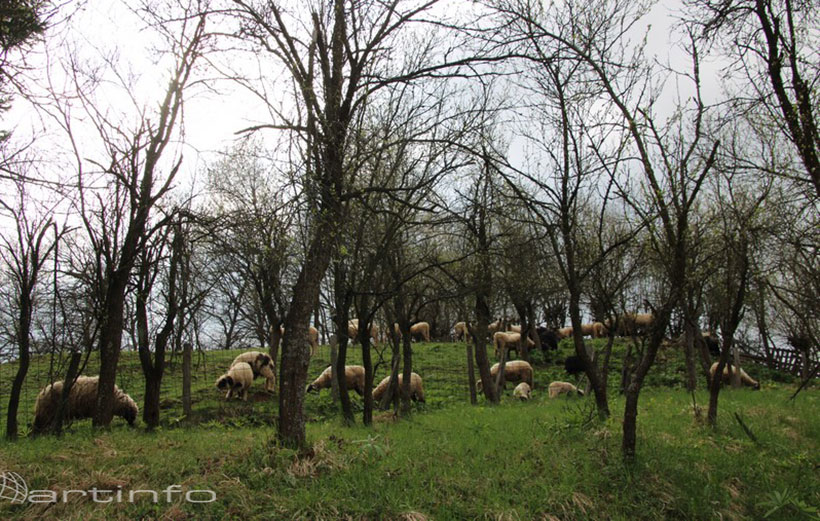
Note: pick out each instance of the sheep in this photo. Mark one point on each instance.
(493, 327)
(502, 340)
(595, 329)
(82, 402)
(745, 379)
(353, 331)
(261, 365)
(564, 332)
(515, 329)
(313, 339)
(420, 329)
(237, 381)
(574, 365)
(558, 388)
(522, 391)
(514, 371)
(416, 388)
(461, 331)
(635, 323)
(548, 337)
(354, 379)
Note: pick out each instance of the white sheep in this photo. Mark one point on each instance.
(353, 331)
(514, 371)
(261, 364)
(461, 331)
(745, 379)
(504, 340)
(354, 379)
(522, 391)
(82, 402)
(237, 381)
(420, 329)
(416, 387)
(558, 388)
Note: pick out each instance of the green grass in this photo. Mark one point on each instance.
(545, 459)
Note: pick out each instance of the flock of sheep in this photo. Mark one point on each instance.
(250, 365)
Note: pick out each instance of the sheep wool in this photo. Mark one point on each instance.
(514, 371)
(82, 402)
(261, 365)
(522, 391)
(745, 379)
(236, 381)
(558, 388)
(354, 379)
(504, 340)
(416, 388)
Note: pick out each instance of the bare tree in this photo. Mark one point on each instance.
(773, 46)
(24, 251)
(118, 218)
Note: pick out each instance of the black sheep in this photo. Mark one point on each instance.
(548, 338)
(574, 365)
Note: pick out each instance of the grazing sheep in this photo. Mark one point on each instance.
(237, 381)
(515, 329)
(502, 340)
(354, 379)
(461, 331)
(564, 332)
(416, 388)
(353, 331)
(745, 379)
(420, 329)
(261, 365)
(82, 402)
(635, 323)
(548, 337)
(595, 329)
(559, 388)
(522, 391)
(514, 371)
(574, 365)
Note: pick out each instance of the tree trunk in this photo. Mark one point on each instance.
(334, 360)
(110, 345)
(471, 374)
(689, 352)
(24, 343)
(68, 382)
(150, 412)
(407, 369)
(186, 379)
(295, 354)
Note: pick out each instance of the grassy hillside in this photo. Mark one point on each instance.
(546, 459)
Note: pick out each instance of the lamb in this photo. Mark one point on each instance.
(558, 388)
(745, 379)
(416, 388)
(461, 331)
(420, 329)
(82, 403)
(261, 365)
(522, 391)
(514, 371)
(237, 381)
(354, 379)
(502, 340)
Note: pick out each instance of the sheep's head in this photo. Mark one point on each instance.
(756, 386)
(128, 409)
(224, 382)
(311, 388)
(262, 360)
(580, 392)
